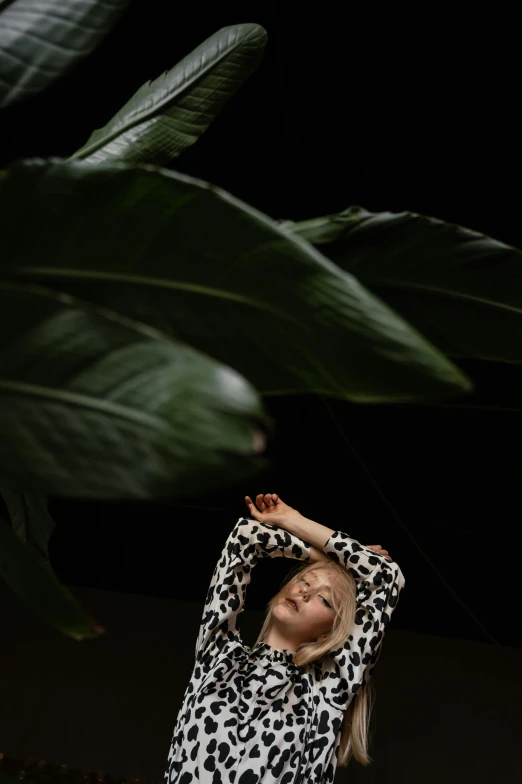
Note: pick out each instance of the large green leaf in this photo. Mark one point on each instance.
(460, 288)
(29, 516)
(97, 407)
(212, 271)
(32, 579)
(166, 116)
(42, 39)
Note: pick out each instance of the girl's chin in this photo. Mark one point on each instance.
(286, 613)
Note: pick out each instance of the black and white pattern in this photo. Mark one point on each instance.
(252, 715)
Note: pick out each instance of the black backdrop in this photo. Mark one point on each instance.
(414, 112)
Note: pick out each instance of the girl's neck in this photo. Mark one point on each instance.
(279, 641)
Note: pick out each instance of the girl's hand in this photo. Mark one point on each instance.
(269, 508)
(379, 550)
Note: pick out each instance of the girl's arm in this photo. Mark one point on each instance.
(326, 543)
(316, 555)
(359, 559)
(379, 582)
(379, 586)
(248, 541)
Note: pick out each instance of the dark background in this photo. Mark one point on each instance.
(348, 107)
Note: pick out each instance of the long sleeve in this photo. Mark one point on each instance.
(248, 541)
(379, 583)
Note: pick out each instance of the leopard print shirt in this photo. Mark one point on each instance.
(251, 715)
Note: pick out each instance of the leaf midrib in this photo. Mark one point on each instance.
(78, 400)
(441, 292)
(139, 280)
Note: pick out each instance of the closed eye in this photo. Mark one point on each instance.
(325, 601)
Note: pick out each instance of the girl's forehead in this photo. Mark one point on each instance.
(321, 576)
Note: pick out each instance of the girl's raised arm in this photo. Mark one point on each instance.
(379, 583)
(248, 541)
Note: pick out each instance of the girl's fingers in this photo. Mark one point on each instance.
(263, 501)
(379, 550)
(252, 508)
(266, 500)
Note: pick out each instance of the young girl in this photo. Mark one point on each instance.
(294, 706)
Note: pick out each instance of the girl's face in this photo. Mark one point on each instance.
(304, 609)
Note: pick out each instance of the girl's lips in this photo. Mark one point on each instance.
(292, 604)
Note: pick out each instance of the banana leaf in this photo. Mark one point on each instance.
(40, 40)
(460, 288)
(97, 406)
(29, 516)
(207, 269)
(33, 581)
(166, 116)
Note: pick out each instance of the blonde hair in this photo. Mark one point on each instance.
(356, 721)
